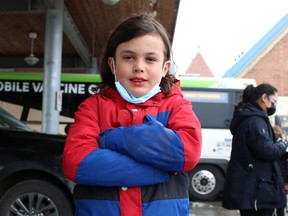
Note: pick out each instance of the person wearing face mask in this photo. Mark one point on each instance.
(132, 143)
(253, 182)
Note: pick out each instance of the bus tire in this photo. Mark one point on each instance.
(206, 183)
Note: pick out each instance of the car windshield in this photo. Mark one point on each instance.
(7, 120)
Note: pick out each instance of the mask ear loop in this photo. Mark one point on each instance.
(114, 70)
(163, 73)
(163, 69)
(173, 68)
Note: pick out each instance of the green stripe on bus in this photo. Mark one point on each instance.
(89, 78)
(21, 76)
(198, 83)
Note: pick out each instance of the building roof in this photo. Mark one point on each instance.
(198, 67)
(259, 50)
(86, 27)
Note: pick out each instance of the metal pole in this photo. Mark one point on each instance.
(52, 68)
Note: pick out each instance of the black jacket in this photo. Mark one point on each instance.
(253, 179)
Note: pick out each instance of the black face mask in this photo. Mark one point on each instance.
(271, 110)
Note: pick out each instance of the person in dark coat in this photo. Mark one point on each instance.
(253, 182)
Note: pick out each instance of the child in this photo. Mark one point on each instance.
(278, 132)
(282, 163)
(133, 141)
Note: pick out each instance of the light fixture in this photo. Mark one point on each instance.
(152, 3)
(31, 59)
(110, 2)
(153, 7)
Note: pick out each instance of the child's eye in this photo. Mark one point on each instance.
(149, 59)
(127, 57)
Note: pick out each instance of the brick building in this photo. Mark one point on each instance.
(267, 60)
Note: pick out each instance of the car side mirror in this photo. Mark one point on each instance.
(66, 129)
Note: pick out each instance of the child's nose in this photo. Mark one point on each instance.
(139, 66)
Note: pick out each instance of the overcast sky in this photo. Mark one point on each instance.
(222, 30)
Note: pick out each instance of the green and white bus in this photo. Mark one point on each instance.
(213, 101)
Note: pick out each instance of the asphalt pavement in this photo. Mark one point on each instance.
(214, 209)
(210, 209)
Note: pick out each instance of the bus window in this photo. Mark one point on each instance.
(214, 108)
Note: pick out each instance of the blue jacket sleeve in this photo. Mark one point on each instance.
(109, 163)
(149, 143)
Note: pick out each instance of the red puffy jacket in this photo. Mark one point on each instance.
(131, 159)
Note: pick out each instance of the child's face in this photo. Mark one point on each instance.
(139, 64)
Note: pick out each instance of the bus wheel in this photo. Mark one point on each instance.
(206, 183)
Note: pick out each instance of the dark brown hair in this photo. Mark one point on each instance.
(252, 94)
(133, 27)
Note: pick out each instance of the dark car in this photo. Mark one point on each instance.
(31, 177)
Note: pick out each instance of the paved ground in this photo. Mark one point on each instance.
(210, 209)
(213, 209)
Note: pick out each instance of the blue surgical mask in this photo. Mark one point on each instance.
(136, 100)
(132, 99)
